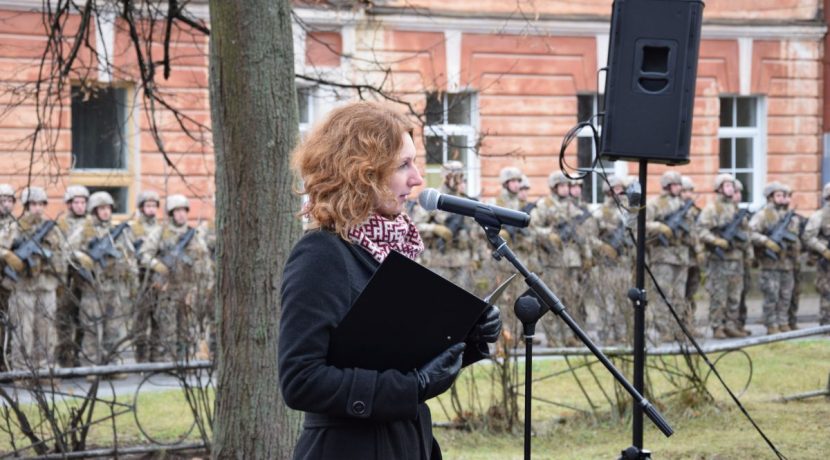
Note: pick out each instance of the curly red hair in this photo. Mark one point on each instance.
(346, 162)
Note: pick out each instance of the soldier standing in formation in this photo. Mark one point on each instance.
(726, 259)
(586, 228)
(145, 329)
(817, 240)
(446, 236)
(613, 261)
(749, 257)
(801, 223)
(181, 261)
(697, 254)
(668, 254)
(563, 253)
(68, 322)
(106, 298)
(8, 225)
(32, 304)
(775, 257)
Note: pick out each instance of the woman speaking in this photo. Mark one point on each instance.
(358, 168)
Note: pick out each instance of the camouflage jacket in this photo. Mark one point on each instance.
(677, 251)
(714, 218)
(551, 215)
(610, 223)
(141, 227)
(46, 274)
(197, 271)
(817, 232)
(437, 252)
(118, 270)
(762, 224)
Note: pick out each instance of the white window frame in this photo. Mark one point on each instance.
(758, 134)
(445, 130)
(305, 127)
(617, 168)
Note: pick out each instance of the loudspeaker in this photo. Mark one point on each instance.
(650, 85)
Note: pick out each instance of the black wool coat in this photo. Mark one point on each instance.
(349, 413)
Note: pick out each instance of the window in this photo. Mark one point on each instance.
(305, 106)
(99, 128)
(102, 146)
(450, 135)
(587, 105)
(741, 138)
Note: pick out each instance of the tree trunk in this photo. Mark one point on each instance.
(254, 115)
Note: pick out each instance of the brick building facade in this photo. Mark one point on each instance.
(500, 82)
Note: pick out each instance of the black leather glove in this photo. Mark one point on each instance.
(437, 376)
(488, 327)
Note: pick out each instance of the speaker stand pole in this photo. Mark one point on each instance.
(639, 302)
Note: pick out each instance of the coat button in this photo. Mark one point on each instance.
(359, 407)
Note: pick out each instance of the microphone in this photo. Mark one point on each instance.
(431, 199)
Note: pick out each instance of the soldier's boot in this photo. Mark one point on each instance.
(718, 333)
(731, 332)
(746, 332)
(772, 330)
(794, 327)
(783, 328)
(572, 342)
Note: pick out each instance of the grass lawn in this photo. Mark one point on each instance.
(702, 430)
(800, 430)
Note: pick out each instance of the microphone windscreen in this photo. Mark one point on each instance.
(428, 199)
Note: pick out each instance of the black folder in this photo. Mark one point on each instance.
(405, 316)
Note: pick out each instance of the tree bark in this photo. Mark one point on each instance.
(254, 116)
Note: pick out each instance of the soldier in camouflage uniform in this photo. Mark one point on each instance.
(183, 323)
(144, 224)
(801, 223)
(106, 306)
(668, 253)
(726, 259)
(447, 242)
(32, 304)
(697, 255)
(817, 240)
(775, 260)
(7, 231)
(614, 260)
(68, 322)
(564, 252)
(586, 227)
(749, 257)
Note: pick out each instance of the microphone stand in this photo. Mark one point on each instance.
(491, 225)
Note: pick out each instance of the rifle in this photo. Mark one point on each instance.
(26, 250)
(676, 221)
(618, 239)
(781, 235)
(455, 223)
(567, 229)
(137, 244)
(732, 231)
(100, 248)
(177, 253)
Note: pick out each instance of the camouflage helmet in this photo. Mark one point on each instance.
(787, 189)
(825, 192)
(773, 187)
(525, 184)
(613, 181)
(739, 186)
(145, 196)
(75, 191)
(7, 190)
(33, 195)
(669, 178)
(177, 201)
(452, 167)
(575, 182)
(100, 199)
(555, 178)
(686, 183)
(509, 173)
(721, 178)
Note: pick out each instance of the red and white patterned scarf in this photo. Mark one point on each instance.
(379, 235)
